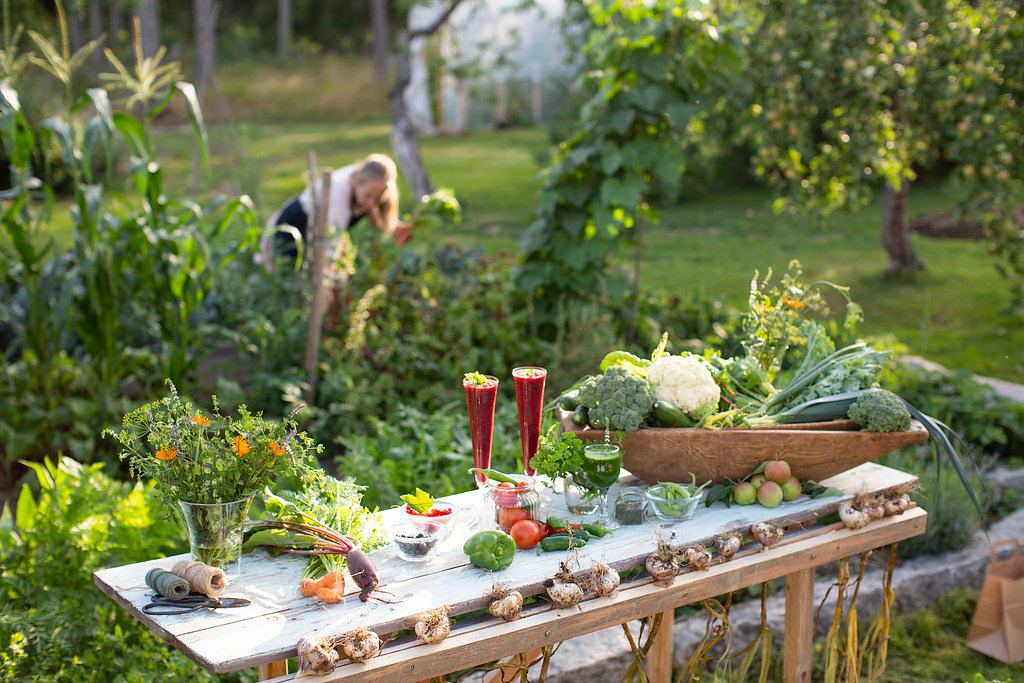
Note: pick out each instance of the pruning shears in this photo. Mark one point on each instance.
(192, 603)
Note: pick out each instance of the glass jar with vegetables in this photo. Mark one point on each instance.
(514, 497)
(672, 502)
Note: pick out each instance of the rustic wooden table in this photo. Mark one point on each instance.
(264, 634)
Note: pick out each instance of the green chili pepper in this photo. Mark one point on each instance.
(494, 475)
(575, 533)
(491, 550)
(557, 523)
(558, 542)
(596, 530)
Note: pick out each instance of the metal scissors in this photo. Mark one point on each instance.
(192, 603)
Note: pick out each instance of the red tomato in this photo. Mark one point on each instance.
(509, 516)
(526, 533)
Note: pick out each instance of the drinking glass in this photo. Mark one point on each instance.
(602, 463)
(480, 399)
(529, 381)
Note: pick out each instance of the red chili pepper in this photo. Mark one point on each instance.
(545, 531)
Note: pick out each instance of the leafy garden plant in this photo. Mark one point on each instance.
(204, 459)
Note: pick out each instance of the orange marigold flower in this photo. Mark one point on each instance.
(792, 303)
(240, 445)
(167, 454)
(276, 448)
(200, 420)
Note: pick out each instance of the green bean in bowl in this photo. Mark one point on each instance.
(672, 502)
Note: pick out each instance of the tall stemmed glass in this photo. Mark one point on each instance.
(602, 463)
(529, 383)
(481, 395)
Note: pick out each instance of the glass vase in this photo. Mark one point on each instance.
(580, 498)
(215, 532)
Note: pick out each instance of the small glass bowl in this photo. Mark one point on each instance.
(417, 536)
(671, 509)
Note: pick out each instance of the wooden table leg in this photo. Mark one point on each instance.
(659, 657)
(273, 670)
(799, 636)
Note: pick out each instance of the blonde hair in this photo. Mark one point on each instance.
(381, 167)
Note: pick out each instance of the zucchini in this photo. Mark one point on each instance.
(570, 400)
(670, 416)
(581, 416)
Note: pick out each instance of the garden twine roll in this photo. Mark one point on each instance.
(167, 584)
(202, 578)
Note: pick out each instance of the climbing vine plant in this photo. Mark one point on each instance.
(644, 67)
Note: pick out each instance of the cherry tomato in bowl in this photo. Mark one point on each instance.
(526, 533)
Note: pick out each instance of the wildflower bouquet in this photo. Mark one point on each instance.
(210, 459)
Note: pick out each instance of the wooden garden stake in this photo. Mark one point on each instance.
(316, 314)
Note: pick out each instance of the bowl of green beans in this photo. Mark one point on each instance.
(673, 502)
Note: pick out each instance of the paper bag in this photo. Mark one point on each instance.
(997, 629)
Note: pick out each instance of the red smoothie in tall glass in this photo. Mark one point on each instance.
(530, 402)
(481, 395)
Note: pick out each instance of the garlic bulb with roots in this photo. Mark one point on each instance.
(852, 518)
(727, 546)
(766, 533)
(601, 579)
(316, 655)
(360, 645)
(663, 563)
(504, 603)
(698, 556)
(434, 625)
(563, 594)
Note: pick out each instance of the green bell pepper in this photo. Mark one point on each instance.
(491, 550)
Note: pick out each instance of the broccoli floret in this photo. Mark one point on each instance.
(617, 399)
(878, 410)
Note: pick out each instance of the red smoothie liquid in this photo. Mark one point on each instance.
(530, 402)
(480, 400)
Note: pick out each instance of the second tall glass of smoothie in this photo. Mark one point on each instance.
(529, 381)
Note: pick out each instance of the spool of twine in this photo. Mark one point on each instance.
(202, 578)
(167, 584)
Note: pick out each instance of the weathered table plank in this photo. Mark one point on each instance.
(268, 629)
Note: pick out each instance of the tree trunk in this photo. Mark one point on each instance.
(116, 22)
(148, 12)
(896, 231)
(284, 28)
(205, 27)
(403, 134)
(381, 37)
(96, 28)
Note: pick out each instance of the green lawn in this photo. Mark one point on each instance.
(950, 313)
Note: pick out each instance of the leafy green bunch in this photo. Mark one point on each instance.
(324, 501)
(215, 459)
(436, 210)
(558, 454)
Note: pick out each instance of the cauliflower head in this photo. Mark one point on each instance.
(683, 382)
(617, 399)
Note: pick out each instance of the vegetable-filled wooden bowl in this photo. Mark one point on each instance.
(815, 450)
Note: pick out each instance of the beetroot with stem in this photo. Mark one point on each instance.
(308, 539)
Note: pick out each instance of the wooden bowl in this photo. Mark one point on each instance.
(814, 450)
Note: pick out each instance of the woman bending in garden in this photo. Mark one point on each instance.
(367, 188)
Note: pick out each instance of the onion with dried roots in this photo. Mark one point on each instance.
(727, 546)
(563, 594)
(434, 625)
(601, 579)
(504, 603)
(698, 557)
(316, 655)
(853, 518)
(663, 563)
(360, 645)
(767, 534)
